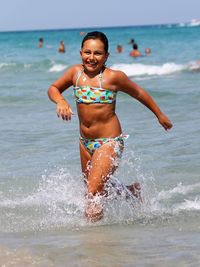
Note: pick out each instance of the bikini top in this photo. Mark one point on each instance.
(91, 95)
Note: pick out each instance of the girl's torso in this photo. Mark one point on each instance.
(96, 105)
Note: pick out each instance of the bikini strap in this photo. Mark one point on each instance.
(78, 77)
(100, 79)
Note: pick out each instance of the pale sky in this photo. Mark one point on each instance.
(65, 14)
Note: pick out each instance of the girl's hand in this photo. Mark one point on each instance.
(165, 122)
(63, 110)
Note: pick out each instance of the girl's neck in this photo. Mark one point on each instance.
(92, 75)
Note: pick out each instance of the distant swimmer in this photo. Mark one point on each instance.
(148, 51)
(119, 48)
(135, 52)
(40, 42)
(131, 41)
(82, 33)
(61, 48)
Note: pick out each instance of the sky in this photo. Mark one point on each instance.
(16, 15)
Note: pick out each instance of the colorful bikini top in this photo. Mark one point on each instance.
(91, 95)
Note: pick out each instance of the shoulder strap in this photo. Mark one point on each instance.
(78, 77)
(100, 79)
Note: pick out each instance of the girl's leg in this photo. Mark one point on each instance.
(102, 166)
(92, 207)
(96, 170)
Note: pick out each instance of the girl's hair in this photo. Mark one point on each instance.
(96, 35)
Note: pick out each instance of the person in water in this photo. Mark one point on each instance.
(147, 51)
(119, 48)
(101, 137)
(135, 52)
(40, 42)
(61, 48)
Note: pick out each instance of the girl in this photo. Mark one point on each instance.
(101, 137)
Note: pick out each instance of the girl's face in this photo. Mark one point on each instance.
(93, 55)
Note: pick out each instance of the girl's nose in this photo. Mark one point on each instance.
(92, 56)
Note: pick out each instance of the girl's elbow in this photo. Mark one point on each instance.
(50, 92)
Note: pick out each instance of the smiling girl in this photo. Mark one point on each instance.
(101, 137)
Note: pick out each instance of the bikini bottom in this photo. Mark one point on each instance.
(93, 144)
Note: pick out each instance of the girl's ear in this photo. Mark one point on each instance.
(80, 53)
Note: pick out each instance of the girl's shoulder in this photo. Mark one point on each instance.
(113, 78)
(114, 75)
(75, 68)
(73, 71)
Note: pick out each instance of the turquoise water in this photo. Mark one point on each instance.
(41, 189)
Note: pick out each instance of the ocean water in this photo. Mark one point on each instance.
(41, 188)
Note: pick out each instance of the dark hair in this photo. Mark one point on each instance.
(96, 35)
(135, 46)
(132, 41)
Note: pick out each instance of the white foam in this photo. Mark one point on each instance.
(57, 68)
(179, 189)
(142, 69)
(188, 205)
(2, 65)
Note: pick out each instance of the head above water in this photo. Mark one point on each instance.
(135, 46)
(96, 35)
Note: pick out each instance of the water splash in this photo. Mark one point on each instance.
(59, 200)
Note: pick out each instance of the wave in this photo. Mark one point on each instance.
(188, 205)
(182, 197)
(137, 69)
(44, 65)
(179, 189)
(57, 68)
(134, 69)
(7, 65)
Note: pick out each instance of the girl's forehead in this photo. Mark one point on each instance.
(93, 43)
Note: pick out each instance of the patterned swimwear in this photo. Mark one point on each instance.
(93, 144)
(88, 94)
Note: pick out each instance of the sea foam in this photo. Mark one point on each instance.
(138, 69)
(57, 68)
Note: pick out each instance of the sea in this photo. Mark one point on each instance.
(42, 220)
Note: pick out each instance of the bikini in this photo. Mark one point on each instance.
(92, 95)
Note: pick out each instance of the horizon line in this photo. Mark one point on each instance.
(92, 27)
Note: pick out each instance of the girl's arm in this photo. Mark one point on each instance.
(134, 90)
(55, 91)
